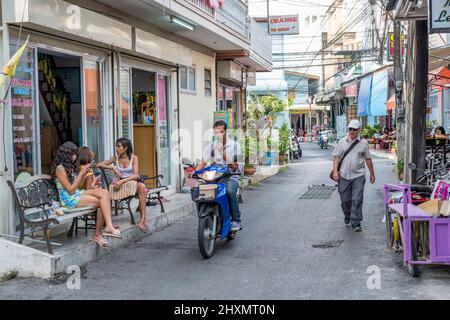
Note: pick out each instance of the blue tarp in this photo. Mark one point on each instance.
(364, 96)
(378, 97)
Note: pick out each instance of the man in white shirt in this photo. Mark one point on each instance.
(350, 173)
(225, 152)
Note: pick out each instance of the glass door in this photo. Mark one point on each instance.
(163, 128)
(94, 111)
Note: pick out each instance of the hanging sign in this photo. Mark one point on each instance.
(439, 16)
(282, 25)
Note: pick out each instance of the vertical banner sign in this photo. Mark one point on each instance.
(283, 25)
(22, 106)
(391, 46)
(439, 16)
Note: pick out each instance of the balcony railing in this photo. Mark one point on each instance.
(233, 13)
(260, 41)
(204, 5)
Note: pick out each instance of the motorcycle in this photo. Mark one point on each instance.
(323, 140)
(214, 218)
(296, 151)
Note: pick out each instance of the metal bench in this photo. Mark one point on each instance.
(153, 194)
(36, 201)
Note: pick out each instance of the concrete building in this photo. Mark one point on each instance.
(95, 71)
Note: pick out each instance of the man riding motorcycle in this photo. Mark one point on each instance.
(225, 152)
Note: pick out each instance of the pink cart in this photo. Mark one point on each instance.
(423, 238)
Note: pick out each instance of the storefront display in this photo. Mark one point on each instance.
(23, 110)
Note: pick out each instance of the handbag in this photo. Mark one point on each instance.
(128, 189)
(343, 157)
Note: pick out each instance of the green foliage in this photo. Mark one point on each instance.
(284, 135)
(9, 275)
(369, 131)
(400, 166)
(431, 124)
(272, 104)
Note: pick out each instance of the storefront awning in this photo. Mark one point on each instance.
(378, 95)
(304, 108)
(364, 96)
(269, 86)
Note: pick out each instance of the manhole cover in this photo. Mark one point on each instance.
(328, 244)
(319, 192)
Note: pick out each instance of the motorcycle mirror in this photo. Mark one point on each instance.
(412, 166)
(186, 161)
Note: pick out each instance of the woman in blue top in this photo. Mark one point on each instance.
(68, 181)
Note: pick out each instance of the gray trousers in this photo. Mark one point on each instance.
(352, 194)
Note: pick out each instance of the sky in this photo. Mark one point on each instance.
(311, 17)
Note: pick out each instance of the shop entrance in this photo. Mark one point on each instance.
(144, 121)
(60, 107)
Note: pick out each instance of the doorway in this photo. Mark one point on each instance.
(60, 103)
(145, 121)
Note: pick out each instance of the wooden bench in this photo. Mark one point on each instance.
(36, 201)
(153, 194)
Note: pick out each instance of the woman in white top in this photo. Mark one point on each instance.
(126, 167)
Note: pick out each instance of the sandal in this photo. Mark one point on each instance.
(116, 226)
(101, 242)
(115, 234)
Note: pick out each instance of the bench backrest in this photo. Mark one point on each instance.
(107, 177)
(38, 193)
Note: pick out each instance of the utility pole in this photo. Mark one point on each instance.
(417, 89)
(398, 85)
(268, 18)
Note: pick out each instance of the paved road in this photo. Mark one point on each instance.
(278, 255)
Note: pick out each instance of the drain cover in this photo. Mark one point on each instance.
(328, 244)
(319, 192)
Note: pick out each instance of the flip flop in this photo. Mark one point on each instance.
(101, 243)
(115, 234)
(116, 226)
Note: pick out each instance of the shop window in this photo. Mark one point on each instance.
(23, 108)
(446, 103)
(188, 79)
(433, 103)
(208, 87)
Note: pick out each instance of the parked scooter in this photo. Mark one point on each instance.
(214, 218)
(296, 151)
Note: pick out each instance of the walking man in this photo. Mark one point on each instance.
(349, 169)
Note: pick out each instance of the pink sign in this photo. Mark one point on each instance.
(352, 90)
(162, 100)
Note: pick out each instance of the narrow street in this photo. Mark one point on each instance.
(289, 249)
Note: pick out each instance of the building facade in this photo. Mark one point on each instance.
(94, 71)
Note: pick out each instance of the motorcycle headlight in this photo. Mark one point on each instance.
(210, 175)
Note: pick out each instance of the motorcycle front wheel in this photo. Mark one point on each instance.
(206, 238)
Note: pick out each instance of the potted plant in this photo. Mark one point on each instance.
(367, 133)
(394, 147)
(249, 168)
(400, 166)
(284, 133)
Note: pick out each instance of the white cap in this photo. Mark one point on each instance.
(354, 124)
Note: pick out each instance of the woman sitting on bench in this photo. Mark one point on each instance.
(68, 182)
(126, 167)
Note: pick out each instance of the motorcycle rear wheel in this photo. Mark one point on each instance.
(207, 241)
